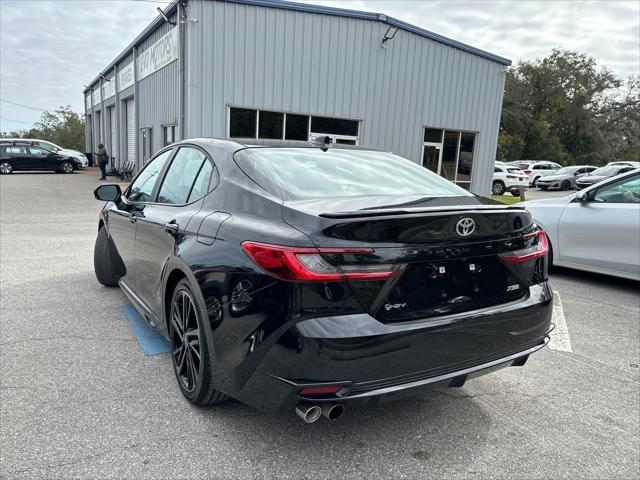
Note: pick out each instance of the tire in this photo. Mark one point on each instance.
(6, 168)
(497, 188)
(566, 185)
(103, 265)
(185, 322)
(543, 187)
(66, 167)
(515, 193)
(535, 182)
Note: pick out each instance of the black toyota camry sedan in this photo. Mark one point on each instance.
(318, 279)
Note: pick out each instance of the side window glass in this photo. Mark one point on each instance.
(626, 191)
(181, 176)
(38, 151)
(142, 187)
(201, 185)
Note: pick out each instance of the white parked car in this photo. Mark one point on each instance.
(81, 157)
(507, 179)
(596, 229)
(536, 169)
(629, 163)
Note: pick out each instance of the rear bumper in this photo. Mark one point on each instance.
(372, 360)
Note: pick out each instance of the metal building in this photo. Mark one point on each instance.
(271, 69)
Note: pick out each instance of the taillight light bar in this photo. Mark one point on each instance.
(536, 246)
(304, 264)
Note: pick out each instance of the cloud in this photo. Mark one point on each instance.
(49, 49)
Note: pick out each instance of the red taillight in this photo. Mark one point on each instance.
(527, 172)
(303, 264)
(536, 245)
(512, 176)
(320, 390)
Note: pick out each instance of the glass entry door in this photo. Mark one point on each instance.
(431, 157)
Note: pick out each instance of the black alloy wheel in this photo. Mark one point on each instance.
(566, 185)
(190, 356)
(185, 340)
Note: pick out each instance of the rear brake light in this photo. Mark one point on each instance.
(303, 264)
(512, 176)
(536, 245)
(527, 171)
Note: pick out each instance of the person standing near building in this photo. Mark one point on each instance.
(103, 159)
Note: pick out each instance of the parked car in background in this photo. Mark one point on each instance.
(24, 156)
(536, 169)
(507, 179)
(79, 156)
(297, 278)
(565, 178)
(624, 163)
(597, 229)
(600, 174)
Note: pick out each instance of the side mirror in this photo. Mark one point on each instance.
(107, 193)
(581, 197)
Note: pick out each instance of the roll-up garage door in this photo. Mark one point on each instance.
(131, 130)
(114, 137)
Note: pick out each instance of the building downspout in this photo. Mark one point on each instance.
(118, 153)
(136, 103)
(182, 23)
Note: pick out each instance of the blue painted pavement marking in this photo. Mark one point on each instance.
(151, 341)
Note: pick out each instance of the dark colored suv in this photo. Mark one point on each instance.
(16, 156)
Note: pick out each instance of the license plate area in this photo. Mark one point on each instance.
(442, 288)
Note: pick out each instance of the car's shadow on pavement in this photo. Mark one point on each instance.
(421, 421)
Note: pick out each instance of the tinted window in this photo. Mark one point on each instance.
(433, 135)
(242, 122)
(270, 125)
(142, 187)
(201, 185)
(181, 176)
(308, 172)
(297, 127)
(334, 126)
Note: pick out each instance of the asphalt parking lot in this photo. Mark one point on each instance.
(79, 397)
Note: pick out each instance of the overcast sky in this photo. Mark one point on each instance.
(48, 49)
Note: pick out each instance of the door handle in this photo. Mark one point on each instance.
(171, 227)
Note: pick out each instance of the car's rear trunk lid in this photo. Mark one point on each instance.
(444, 254)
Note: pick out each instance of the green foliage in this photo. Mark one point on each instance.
(63, 127)
(566, 109)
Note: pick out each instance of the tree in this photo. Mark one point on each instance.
(63, 127)
(564, 108)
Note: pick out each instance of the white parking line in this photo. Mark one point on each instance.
(560, 336)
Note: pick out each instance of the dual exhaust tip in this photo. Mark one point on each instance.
(311, 412)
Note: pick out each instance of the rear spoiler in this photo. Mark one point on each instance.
(381, 212)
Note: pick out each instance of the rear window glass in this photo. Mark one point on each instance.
(293, 173)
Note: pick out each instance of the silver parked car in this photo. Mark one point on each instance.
(565, 178)
(597, 229)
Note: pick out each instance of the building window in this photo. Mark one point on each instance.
(449, 153)
(270, 125)
(168, 135)
(296, 127)
(242, 123)
(249, 123)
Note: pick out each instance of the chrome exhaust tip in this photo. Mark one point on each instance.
(308, 412)
(332, 411)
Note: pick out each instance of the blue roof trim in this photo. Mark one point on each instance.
(377, 17)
